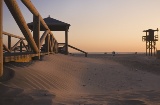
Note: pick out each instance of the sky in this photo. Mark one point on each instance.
(96, 25)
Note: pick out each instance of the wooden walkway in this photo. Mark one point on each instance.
(27, 47)
(30, 46)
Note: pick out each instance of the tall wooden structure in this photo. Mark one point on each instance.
(29, 46)
(55, 25)
(150, 40)
(1, 38)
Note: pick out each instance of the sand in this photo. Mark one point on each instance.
(74, 79)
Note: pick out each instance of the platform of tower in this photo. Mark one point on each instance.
(150, 38)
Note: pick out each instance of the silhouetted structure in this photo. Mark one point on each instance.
(30, 46)
(150, 39)
(55, 25)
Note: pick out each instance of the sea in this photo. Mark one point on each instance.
(110, 52)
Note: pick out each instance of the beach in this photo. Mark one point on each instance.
(99, 79)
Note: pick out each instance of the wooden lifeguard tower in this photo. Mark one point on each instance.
(55, 25)
(150, 40)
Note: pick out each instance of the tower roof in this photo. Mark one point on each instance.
(53, 24)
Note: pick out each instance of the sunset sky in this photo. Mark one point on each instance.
(97, 25)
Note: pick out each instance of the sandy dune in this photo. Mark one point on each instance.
(98, 79)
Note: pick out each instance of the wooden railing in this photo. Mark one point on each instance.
(63, 45)
(30, 45)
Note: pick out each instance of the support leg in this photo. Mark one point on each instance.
(1, 37)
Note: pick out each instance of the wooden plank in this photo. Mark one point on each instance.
(47, 43)
(12, 35)
(24, 45)
(42, 39)
(17, 14)
(5, 47)
(36, 30)
(16, 45)
(1, 38)
(21, 46)
(36, 33)
(34, 11)
(78, 50)
(66, 42)
(9, 42)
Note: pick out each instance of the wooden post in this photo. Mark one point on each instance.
(17, 14)
(51, 42)
(151, 48)
(9, 42)
(29, 48)
(47, 43)
(21, 45)
(1, 37)
(36, 33)
(66, 41)
(54, 46)
(146, 43)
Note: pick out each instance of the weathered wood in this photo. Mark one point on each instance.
(12, 35)
(9, 42)
(36, 33)
(150, 39)
(42, 39)
(52, 43)
(1, 37)
(76, 49)
(34, 11)
(16, 13)
(5, 47)
(146, 43)
(36, 30)
(21, 46)
(47, 43)
(66, 42)
(25, 45)
(16, 44)
(56, 47)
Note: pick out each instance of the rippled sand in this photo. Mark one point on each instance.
(74, 79)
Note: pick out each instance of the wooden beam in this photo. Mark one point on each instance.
(21, 46)
(34, 11)
(36, 30)
(12, 35)
(17, 14)
(47, 43)
(16, 44)
(66, 42)
(36, 34)
(1, 38)
(42, 39)
(76, 49)
(25, 45)
(146, 43)
(52, 43)
(5, 47)
(9, 42)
